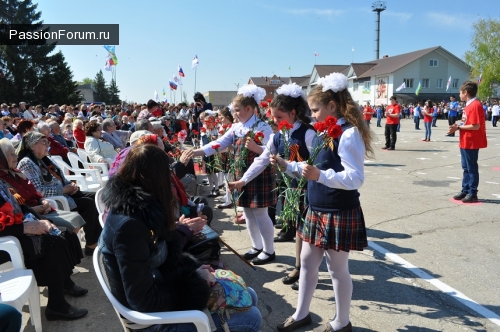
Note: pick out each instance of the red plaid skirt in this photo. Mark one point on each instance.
(338, 230)
(260, 192)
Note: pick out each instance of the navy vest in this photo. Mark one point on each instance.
(325, 199)
(297, 137)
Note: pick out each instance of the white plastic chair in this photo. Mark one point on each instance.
(83, 154)
(86, 183)
(18, 285)
(129, 318)
(58, 202)
(74, 159)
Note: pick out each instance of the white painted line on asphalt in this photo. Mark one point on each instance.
(496, 195)
(459, 296)
(424, 158)
(452, 177)
(397, 169)
(492, 182)
(421, 173)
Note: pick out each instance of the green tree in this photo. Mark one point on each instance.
(113, 97)
(484, 57)
(28, 69)
(101, 91)
(87, 80)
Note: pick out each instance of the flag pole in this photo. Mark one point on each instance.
(195, 68)
(180, 83)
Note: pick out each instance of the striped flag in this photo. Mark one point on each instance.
(316, 54)
(172, 84)
(195, 62)
(480, 79)
(448, 84)
(156, 96)
(418, 88)
(181, 73)
(401, 87)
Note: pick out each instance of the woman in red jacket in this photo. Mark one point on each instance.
(79, 134)
(427, 112)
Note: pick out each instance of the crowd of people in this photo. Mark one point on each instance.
(253, 150)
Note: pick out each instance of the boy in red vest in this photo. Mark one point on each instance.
(472, 138)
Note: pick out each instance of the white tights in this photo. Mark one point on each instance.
(213, 181)
(338, 268)
(260, 228)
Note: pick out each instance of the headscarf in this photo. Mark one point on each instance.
(27, 142)
(5, 145)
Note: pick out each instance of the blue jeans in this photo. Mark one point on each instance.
(416, 120)
(428, 130)
(434, 120)
(470, 180)
(10, 318)
(246, 321)
(378, 122)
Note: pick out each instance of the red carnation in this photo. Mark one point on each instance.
(284, 125)
(203, 129)
(194, 132)
(222, 132)
(259, 137)
(330, 121)
(269, 100)
(320, 127)
(264, 104)
(216, 147)
(334, 131)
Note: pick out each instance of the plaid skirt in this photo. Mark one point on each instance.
(338, 230)
(260, 192)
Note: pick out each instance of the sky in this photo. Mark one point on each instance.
(235, 40)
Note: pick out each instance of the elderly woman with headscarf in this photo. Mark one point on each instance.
(98, 150)
(25, 193)
(49, 180)
(118, 138)
(51, 257)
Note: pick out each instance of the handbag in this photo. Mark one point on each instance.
(228, 295)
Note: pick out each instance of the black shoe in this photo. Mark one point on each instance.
(224, 206)
(295, 285)
(76, 291)
(249, 256)
(71, 314)
(385, 148)
(287, 280)
(450, 135)
(328, 328)
(278, 226)
(470, 198)
(290, 325)
(285, 236)
(270, 258)
(221, 186)
(459, 196)
(391, 149)
(213, 193)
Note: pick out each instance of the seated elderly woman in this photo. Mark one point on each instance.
(22, 128)
(98, 150)
(118, 138)
(25, 193)
(146, 269)
(50, 181)
(79, 134)
(52, 258)
(56, 148)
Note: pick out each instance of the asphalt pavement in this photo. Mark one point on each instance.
(432, 264)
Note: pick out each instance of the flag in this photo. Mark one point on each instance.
(401, 87)
(195, 62)
(176, 80)
(179, 69)
(163, 91)
(353, 49)
(316, 54)
(156, 96)
(109, 63)
(448, 84)
(289, 68)
(165, 99)
(418, 88)
(111, 51)
(480, 78)
(172, 84)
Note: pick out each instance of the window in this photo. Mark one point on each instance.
(433, 63)
(425, 83)
(439, 83)
(455, 83)
(355, 86)
(367, 85)
(408, 82)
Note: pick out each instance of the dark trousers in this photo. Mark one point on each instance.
(378, 122)
(494, 120)
(451, 121)
(470, 180)
(416, 120)
(85, 206)
(10, 319)
(391, 135)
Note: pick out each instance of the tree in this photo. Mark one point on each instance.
(113, 97)
(484, 57)
(101, 92)
(28, 68)
(87, 80)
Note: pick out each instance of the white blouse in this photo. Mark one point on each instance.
(98, 150)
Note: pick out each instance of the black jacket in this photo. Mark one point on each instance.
(129, 240)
